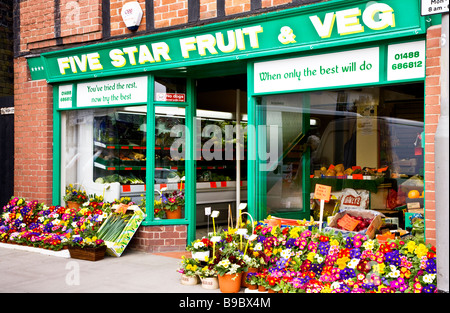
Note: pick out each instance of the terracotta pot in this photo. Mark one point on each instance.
(72, 205)
(230, 283)
(210, 282)
(272, 291)
(189, 280)
(262, 288)
(252, 287)
(244, 276)
(174, 214)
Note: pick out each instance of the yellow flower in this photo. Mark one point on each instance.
(411, 245)
(310, 256)
(379, 268)
(341, 262)
(334, 242)
(20, 202)
(421, 250)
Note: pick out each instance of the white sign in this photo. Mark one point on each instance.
(429, 7)
(65, 96)
(108, 92)
(326, 70)
(406, 60)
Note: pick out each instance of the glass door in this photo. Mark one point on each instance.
(283, 159)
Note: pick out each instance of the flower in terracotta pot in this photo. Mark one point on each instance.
(173, 200)
(75, 194)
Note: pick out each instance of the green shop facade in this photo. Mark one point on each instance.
(249, 111)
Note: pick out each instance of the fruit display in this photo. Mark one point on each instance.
(339, 170)
(353, 223)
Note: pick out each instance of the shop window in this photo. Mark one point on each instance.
(104, 151)
(170, 152)
(365, 138)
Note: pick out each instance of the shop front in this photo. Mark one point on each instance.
(254, 111)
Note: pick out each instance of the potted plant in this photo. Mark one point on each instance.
(174, 201)
(87, 246)
(200, 249)
(74, 196)
(189, 270)
(229, 266)
(208, 276)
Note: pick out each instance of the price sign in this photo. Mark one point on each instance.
(322, 192)
(348, 223)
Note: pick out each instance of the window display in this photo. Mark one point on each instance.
(104, 149)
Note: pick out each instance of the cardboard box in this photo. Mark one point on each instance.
(117, 247)
(369, 231)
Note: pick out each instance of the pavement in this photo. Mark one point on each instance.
(34, 270)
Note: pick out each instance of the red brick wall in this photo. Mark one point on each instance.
(160, 238)
(33, 127)
(432, 111)
(170, 12)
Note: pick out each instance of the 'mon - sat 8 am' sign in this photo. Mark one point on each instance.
(297, 29)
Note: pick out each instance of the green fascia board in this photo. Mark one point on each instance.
(36, 67)
(408, 22)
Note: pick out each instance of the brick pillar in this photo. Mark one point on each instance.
(432, 112)
(160, 238)
(33, 139)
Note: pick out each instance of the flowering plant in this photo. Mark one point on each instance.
(189, 266)
(200, 245)
(173, 200)
(85, 239)
(158, 210)
(229, 261)
(75, 194)
(207, 271)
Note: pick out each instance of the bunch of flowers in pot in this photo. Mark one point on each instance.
(75, 196)
(201, 249)
(86, 239)
(229, 264)
(189, 269)
(173, 203)
(208, 276)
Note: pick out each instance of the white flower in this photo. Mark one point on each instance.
(369, 244)
(224, 263)
(353, 263)
(199, 244)
(335, 285)
(286, 253)
(318, 258)
(258, 247)
(429, 278)
(394, 272)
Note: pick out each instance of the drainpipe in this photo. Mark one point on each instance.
(441, 168)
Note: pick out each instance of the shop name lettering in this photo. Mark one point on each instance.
(377, 16)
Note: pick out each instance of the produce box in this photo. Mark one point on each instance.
(119, 228)
(351, 222)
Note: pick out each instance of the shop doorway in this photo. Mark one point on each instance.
(221, 162)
